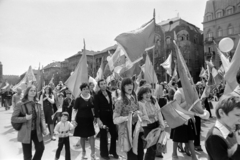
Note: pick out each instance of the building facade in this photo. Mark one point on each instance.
(190, 41)
(221, 19)
(1, 72)
(93, 60)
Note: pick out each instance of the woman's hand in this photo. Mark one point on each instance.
(28, 116)
(74, 123)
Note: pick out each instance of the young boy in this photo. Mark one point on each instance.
(63, 129)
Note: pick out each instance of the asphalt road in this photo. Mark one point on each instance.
(10, 149)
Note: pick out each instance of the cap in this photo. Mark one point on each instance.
(65, 114)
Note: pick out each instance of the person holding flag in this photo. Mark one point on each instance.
(127, 105)
(152, 117)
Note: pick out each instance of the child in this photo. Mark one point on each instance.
(62, 129)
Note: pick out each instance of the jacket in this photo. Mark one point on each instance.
(101, 105)
(24, 134)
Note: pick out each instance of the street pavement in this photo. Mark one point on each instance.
(10, 148)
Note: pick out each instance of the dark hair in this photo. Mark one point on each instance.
(25, 96)
(83, 85)
(179, 83)
(238, 76)
(142, 82)
(173, 83)
(227, 105)
(142, 91)
(100, 80)
(50, 92)
(126, 81)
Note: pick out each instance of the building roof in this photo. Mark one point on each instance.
(175, 22)
(53, 64)
(88, 53)
(213, 5)
(114, 47)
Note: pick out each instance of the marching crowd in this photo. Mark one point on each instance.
(116, 107)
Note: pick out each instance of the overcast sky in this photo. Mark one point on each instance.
(43, 31)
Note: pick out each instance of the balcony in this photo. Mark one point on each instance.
(208, 40)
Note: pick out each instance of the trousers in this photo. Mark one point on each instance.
(27, 148)
(63, 142)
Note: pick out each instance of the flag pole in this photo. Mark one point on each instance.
(154, 19)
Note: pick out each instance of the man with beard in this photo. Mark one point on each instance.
(104, 113)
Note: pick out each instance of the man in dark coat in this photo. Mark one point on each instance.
(103, 108)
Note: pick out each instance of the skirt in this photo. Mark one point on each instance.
(48, 112)
(84, 127)
(184, 133)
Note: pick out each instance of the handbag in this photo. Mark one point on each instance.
(18, 126)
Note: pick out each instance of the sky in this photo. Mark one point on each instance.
(34, 32)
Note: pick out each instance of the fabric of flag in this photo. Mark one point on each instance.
(27, 80)
(167, 65)
(210, 80)
(230, 74)
(149, 74)
(135, 42)
(190, 92)
(100, 71)
(173, 118)
(221, 71)
(225, 61)
(218, 78)
(40, 80)
(202, 72)
(175, 74)
(117, 59)
(79, 76)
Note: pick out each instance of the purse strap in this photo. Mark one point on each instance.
(25, 108)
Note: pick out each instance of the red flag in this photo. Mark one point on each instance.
(135, 42)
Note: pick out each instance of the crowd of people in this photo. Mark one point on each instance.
(55, 111)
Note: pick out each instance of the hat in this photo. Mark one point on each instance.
(65, 114)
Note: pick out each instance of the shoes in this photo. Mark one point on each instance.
(106, 157)
(115, 156)
(198, 148)
(84, 155)
(53, 138)
(93, 157)
(174, 157)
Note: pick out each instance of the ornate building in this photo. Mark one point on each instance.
(189, 40)
(221, 19)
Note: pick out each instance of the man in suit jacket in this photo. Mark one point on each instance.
(104, 113)
(68, 104)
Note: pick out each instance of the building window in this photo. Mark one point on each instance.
(219, 14)
(230, 30)
(229, 10)
(210, 34)
(168, 40)
(209, 17)
(209, 49)
(219, 32)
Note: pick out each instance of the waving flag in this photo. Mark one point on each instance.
(167, 65)
(149, 74)
(27, 80)
(230, 74)
(189, 89)
(100, 71)
(135, 42)
(79, 76)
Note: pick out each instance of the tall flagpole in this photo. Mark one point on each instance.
(154, 49)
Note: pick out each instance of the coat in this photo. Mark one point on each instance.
(24, 134)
